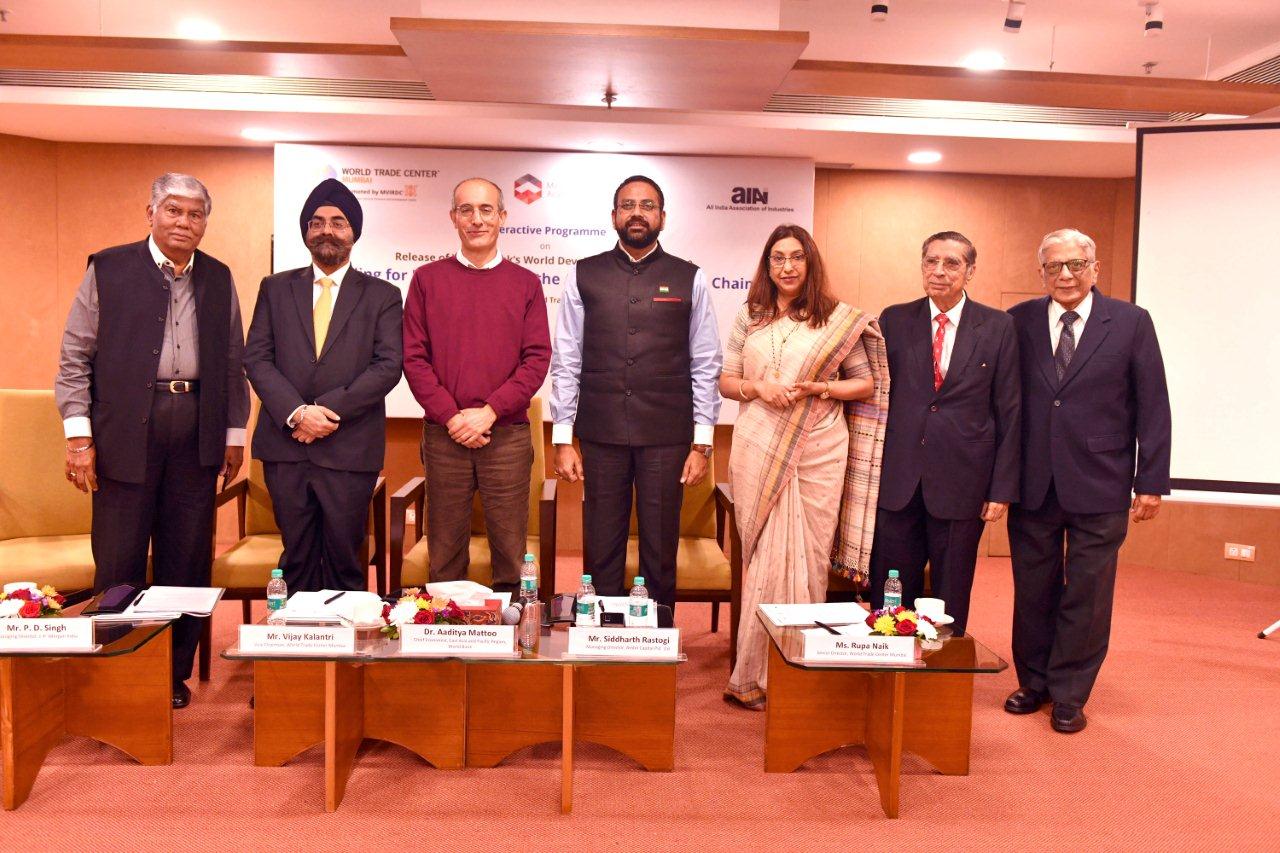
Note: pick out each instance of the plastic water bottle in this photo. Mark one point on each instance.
(277, 595)
(528, 580)
(586, 615)
(893, 590)
(638, 605)
(530, 624)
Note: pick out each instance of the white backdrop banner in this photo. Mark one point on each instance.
(720, 210)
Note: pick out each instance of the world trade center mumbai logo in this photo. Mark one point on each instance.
(528, 189)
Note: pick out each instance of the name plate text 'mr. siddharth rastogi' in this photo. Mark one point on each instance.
(629, 643)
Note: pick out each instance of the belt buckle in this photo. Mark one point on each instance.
(179, 386)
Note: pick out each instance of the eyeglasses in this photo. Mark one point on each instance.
(487, 211)
(948, 264)
(648, 205)
(1076, 265)
(780, 261)
(335, 224)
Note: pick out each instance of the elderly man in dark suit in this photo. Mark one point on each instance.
(952, 441)
(323, 352)
(1093, 387)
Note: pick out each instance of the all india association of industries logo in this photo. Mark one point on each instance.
(528, 189)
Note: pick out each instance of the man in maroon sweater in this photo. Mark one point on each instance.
(476, 350)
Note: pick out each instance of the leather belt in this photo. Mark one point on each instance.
(177, 386)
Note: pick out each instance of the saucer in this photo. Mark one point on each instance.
(939, 621)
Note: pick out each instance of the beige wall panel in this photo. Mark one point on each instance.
(29, 291)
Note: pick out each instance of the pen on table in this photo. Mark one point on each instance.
(331, 599)
(825, 625)
(138, 600)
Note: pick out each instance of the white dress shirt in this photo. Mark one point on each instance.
(949, 332)
(1055, 320)
(316, 289)
(488, 265)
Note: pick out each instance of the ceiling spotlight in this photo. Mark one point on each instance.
(879, 11)
(924, 158)
(1154, 24)
(199, 29)
(983, 60)
(1013, 17)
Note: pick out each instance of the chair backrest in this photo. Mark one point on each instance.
(259, 515)
(697, 511)
(536, 476)
(35, 497)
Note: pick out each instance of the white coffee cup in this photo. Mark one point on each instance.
(931, 607)
(11, 588)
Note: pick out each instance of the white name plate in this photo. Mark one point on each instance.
(630, 643)
(453, 640)
(833, 647)
(297, 640)
(55, 635)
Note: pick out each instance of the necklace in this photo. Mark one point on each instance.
(779, 350)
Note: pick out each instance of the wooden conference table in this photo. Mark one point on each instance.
(460, 711)
(926, 709)
(121, 694)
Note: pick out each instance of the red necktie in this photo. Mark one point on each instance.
(937, 351)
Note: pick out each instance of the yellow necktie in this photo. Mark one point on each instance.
(322, 312)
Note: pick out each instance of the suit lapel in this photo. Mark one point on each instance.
(1095, 330)
(1043, 345)
(348, 295)
(921, 337)
(967, 333)
(303, 286)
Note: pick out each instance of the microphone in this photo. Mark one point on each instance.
(511, 614)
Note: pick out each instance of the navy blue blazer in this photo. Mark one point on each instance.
(358, 367)
(960, 444)
(1080, 433)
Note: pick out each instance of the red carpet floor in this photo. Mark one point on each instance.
(1182, 752)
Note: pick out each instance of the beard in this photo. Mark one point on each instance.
(328, 250)
(637, 240)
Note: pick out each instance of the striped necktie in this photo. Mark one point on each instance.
(321, 314)
(1066, 343)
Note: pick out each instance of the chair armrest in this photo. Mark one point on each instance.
(378, 518)
(239, 492)
(547, 541)
(412, 493)
(724, 504)
(723, 496)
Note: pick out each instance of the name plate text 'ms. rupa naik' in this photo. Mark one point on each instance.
(628, 643)
(55, 635)
(899, 651)
(297, 640)
(458, 640)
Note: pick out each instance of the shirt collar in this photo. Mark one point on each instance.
(953, 316)
(1056, 310)
(643, 257)
(492, 262)
(336, 276)
(162, 261)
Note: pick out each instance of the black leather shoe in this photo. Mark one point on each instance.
(181, 695)
(1024, 700)
(1067, 719)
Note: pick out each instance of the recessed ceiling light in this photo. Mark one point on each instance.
(983, 60)
(261, 134)
(605, 144)
(924, 158)
(199, 29)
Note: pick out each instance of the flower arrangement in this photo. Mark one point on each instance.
(419, 607)
(27, 601)
(901, 622)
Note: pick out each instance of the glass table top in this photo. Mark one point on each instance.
(112, 638)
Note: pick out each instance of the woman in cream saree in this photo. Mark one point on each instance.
(813, 380)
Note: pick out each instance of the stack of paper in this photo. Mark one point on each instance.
(329, 606)
(855, 629)
(830, 612)
(167, 602)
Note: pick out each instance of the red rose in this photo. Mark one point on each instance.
(61, 599)
(23, 594)
(422, 617)
(907, 628)
(30, 610)
(871, 620)
(898, 609)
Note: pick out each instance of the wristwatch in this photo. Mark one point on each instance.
(704, 449)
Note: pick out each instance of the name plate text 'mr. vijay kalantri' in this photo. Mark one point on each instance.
(458, 640)
(55, 635)
(320, 640)
(629, 643)
(900, 651)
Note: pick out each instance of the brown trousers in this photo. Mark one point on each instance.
(500, 471)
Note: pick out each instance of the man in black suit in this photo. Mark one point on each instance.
(1092, 386)
(323, 352)
(952, 442)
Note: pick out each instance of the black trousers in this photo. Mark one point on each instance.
(611, 471)
(322, 516)
(908, 538)
(172, 510)
(1062, 596)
